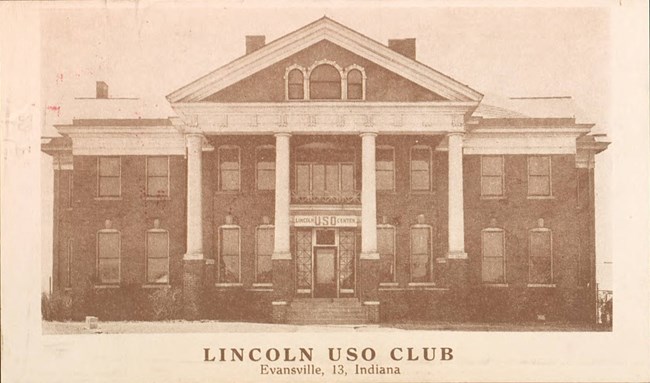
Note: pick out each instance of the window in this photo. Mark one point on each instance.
(421, 253)
(264, 267)
(386, 250)
(109, 171)
(355, 85)
(540, 250)
(492, 176)
(157, 256)
(266, 168)
(157, 176)
(325, 83)
(420, 168)
(385, 172)
(229, 254)
(108, 256)
(324, 178)
(539, 176)
(229, 161)
(295, 85)
(494, 259)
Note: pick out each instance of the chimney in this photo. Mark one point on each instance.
(102, 90)
(405, 47)
(254, 43)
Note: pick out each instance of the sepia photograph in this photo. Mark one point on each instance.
(344, 191)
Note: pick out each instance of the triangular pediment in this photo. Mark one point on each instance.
(329, 32)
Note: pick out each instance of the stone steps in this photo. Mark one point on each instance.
(335, 311)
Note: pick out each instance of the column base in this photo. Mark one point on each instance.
(457, 255)
(368, 283)
(372, 311)
(193, 273)
(279, 311)
(283, 279)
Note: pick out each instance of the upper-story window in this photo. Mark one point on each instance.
(157, 176)
(355, 85)
(295, 85)
(109, 171)
(539, 176)
(229, 165)
(492, 176)
(325, 83)
(385, 168)
(420, 168)
(265, 168)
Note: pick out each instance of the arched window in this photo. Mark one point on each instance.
(295, 85)
(355, 85)
(325, 83)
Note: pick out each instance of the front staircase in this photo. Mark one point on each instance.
(326, 311)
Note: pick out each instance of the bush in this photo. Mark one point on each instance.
(166, 303)
(56, 307)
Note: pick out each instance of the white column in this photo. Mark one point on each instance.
(368, 198)
(194, 144)
(281, 248)
(456, 219)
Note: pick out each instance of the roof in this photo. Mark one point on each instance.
(324, 29)
(499, 107)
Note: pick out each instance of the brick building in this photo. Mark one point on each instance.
(326, 177)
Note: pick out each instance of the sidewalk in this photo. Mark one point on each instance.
(126, 327)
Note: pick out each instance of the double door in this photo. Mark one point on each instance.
(326, 262)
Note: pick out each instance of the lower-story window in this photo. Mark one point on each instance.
(108, 256)
(540, 250)
(421, 265)
(386, 250)
(157, 255)
(264, 247)
(229, 254)
(493, 248)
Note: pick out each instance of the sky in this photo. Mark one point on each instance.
(513, 52)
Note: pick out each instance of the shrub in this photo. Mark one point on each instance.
(56, 307)
(166, 303)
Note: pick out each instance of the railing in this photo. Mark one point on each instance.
(326, 197)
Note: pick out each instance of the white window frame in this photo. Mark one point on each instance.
(392, 149)
(150, 196)
(503, 176)
(550, 235)
(305, 90)
(219, 255)
(318, 63)
(504, 282)
(550, 178)
(420, 147)
(99, 176)
(385, 226)
(219, 175)
(257, 169)
(146, 268)
(119, 257)
(347, 71)
(257, 230)
(430, 228)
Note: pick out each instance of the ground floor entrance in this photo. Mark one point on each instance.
(326, 261)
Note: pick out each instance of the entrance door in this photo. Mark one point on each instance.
(325, 275)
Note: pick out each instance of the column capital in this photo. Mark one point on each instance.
(368, 134)
(456, 134)
(282, 134)
(194, 139)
